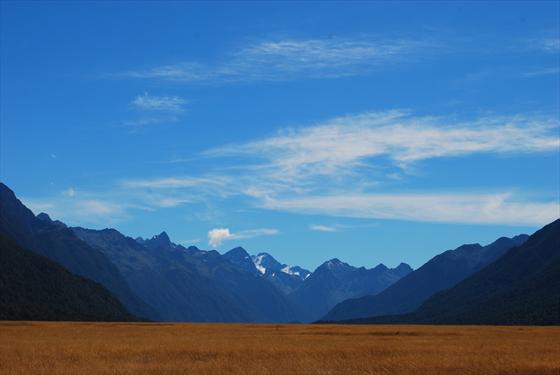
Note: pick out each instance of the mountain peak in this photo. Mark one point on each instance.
(162, 236)
(238, 252)
(158, 241)
(242, 259)
(45, 217)
(403, 266)
(381, 267)
(334, 264)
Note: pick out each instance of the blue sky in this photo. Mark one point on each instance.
(371, 132)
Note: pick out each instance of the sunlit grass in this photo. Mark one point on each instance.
(86, 348)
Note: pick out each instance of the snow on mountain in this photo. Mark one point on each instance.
(265, 262)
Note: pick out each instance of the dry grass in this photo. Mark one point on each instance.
(100, 349)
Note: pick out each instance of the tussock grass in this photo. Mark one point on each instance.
(28, 348)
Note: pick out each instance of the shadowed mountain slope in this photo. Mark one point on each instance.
(439, 273)
(32, 287)
(58, 243)
(522, 287)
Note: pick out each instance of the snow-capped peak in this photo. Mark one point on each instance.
(258, 261)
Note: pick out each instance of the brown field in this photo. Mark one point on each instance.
(28, 348)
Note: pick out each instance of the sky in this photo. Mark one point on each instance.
(371, 132)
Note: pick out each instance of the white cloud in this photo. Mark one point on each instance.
(159, 103)
(217, 236)
(343, 167)
(290, 58)
(323, 228)
(343, 147)
(444, 207)
(329, 167)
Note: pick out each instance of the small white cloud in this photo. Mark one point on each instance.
(70, 192)
(159, 103)
(322, 228)
(217, 236)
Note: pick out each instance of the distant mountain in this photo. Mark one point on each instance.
(285, 278)
(335, 281)
(32, 287)
(157, 272)
(258, 297)
(188, 284)
(57, 242)
(441, 272)
(520, 288)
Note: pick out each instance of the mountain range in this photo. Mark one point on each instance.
(441, 272)
(50, 271)
(520, 288)
(157, 279)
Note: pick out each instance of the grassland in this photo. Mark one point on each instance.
(28, 348)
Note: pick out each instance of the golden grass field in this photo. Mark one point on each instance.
(28, 348)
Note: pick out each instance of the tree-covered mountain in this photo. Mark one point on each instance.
(32, 287)
(55, 241)
(335, 281)
(439, 273)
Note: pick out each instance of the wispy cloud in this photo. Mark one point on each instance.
(159, 103)
(323, 228)
(290, 58)
(543, 72)
(341, 168)
(78, 211)
(217, 236)
(345, 147)
(328, 167)
(170, 182)
(70, 192)
(444, 207)
(550, 44)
